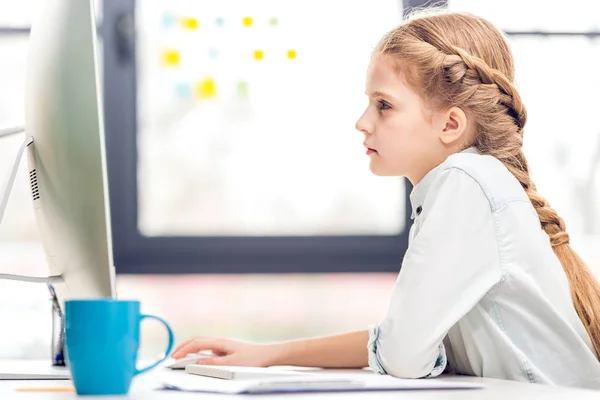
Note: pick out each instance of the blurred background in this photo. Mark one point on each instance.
(232, 122)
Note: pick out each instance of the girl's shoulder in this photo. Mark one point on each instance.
(498, 184)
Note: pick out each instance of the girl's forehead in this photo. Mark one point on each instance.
(385, 76)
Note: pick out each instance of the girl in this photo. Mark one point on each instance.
(489, 285)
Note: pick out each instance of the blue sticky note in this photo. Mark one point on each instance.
(168, 20)
(183, 90)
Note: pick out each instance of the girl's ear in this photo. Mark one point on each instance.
(454, 125)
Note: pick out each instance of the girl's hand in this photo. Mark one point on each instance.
(228, 352)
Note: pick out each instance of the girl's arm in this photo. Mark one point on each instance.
(347, 350)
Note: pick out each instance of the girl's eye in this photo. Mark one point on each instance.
(382, 105)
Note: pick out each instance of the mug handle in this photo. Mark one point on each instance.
(169, 347)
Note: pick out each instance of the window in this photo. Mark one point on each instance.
(235, 151)
(246, 119)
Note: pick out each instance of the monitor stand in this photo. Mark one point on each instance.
(26, 369)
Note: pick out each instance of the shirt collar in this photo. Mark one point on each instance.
(417, 196)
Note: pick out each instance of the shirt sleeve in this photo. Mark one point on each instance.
(449, 266)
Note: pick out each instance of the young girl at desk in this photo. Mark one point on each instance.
(489, 285)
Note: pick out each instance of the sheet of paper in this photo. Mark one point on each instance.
(309, 383)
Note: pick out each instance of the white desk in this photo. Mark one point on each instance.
(143, 389)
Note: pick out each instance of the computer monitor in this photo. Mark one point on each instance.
(67, 159)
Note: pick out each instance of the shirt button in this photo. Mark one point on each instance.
(419, 209)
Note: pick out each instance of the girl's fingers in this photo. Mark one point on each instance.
(217, 346)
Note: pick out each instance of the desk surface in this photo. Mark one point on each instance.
(144, 388)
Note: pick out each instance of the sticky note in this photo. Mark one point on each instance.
(259, 55)
(171, 58)
(242, 88)
(220, 22)
(247, 22)
(213, 53)
(168, 20)
(206, 88)
(183, 90)
(189, 24)
(291, 54)
(273, 21)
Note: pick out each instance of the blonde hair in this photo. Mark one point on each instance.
(455, 59)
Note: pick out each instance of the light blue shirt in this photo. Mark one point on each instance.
(480, 291)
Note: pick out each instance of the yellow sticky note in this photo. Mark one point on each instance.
(189, 23)
(259, 55)
(291, 54)
(247, 22)
(171, 58)
(206, 88)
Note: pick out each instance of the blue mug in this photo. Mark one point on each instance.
(102, 339)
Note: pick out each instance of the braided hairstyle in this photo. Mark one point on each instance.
(455, 59)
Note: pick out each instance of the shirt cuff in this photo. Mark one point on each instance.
(440, 362)
(374, 363)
